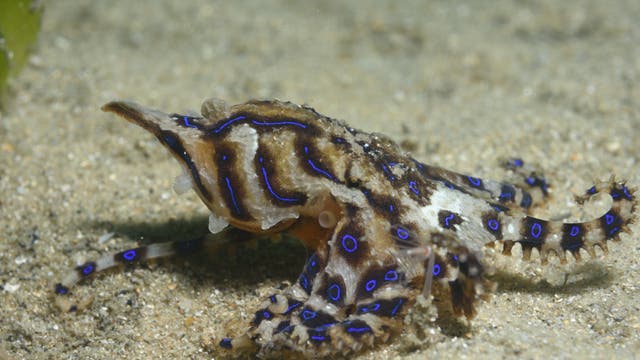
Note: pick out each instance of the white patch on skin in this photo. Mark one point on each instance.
(267, 215)
(216, 223)
(182, 183)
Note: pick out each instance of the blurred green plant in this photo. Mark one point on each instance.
(19, 27)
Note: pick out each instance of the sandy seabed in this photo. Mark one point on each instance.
(462, 85)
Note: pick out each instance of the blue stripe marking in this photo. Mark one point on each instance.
(359, 329)
(227, 123)
(278, 123)
(475, 182)
(316, 168)
(173, 143)
(413, 186)
(233, 196)
(185, 119)
(388, 172)
(270, 188)
(397, 307)
(291, 307)
(448, 219)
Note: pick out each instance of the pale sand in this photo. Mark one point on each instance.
(557, 83)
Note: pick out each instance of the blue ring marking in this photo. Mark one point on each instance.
(318, 337)
(455, 257)
(354, 243)
(626, 193)
(447, 219)
(592, 190)
(449, 185)
(391, 208)
(530, 180)
(88, 269)
(270, 188)
(227, 123)
(224, 157)
(273, 299)
(226, 343)
(493, 224)
(339, 140)
(278, 123)
(334, 292)
(613, 231)
(475, 182)
(397, 307)
(233, 196)
(436, 269)
(370, 285)
(575, 230)
(609, 218)
(536, 230)
(130, 255)
(308, 314)
(61, 289)
(402, 233)
(267, 314)
(414, 187)
(391, 275)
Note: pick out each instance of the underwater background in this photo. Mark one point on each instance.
(459, 84)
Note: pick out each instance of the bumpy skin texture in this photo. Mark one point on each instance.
(383, 227)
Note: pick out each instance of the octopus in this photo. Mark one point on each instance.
(382, 228)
